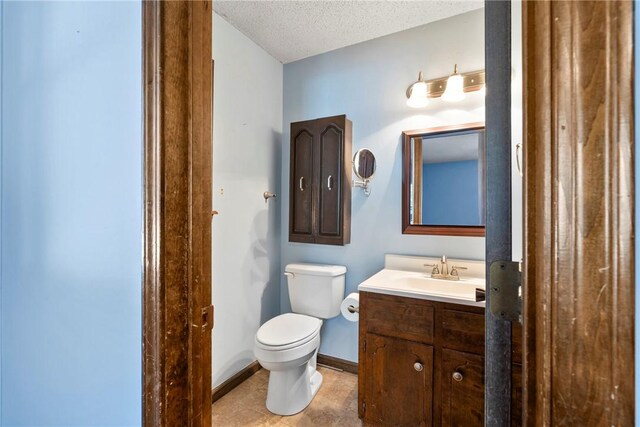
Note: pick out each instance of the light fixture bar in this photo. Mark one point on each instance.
(472, 81)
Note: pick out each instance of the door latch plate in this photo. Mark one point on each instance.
(207, 318)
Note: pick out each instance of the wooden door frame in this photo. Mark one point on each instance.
(176, 346)
(579, 280)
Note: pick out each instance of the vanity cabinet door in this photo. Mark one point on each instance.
(399, 382)
(462, 389)
(516, 395)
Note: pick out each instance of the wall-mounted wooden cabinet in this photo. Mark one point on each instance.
(421, 363)
(320, 181)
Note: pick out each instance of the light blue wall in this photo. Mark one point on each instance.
(367, 82)
(1, 32)
(71, 213)
(450, 193)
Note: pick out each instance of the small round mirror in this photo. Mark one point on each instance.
(364, 164)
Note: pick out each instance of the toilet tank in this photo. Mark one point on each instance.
(316, 289)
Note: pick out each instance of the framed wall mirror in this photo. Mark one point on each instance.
(443, 181)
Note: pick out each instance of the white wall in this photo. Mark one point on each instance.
(247, 132)
(367, 81)
(517, 137)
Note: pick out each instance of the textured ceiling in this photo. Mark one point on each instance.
(292, 30)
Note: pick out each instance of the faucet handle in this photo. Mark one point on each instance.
(443, 259)
(435, 270)
(455, 268)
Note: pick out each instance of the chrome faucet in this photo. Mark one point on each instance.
(441, 271)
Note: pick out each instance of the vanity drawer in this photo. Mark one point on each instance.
(463, 331)
(407, 318)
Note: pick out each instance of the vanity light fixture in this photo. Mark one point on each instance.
(450, 88)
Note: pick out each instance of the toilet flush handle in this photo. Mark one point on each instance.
(288, 274)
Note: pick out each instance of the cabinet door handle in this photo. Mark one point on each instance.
(301, 183)
(457, 376)
(330, 182)
(518, 165)
(418, 366)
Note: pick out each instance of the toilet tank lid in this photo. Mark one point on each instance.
(316, 269)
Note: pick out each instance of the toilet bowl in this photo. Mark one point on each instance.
(287, 345)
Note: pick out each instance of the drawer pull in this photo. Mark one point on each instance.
(457, 376)
(418, 366)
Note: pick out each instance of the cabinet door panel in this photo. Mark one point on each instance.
(331, 160)
(301, 223)
(398, 394)
(462, 394)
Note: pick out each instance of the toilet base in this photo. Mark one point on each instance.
(293, 390)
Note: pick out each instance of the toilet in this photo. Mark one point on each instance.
(287, 345)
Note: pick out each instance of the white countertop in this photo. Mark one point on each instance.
(419, 284)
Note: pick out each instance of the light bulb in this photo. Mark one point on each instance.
(418, 97)
(454, 91)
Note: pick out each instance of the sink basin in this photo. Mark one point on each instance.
(439, 287)
(415, 284)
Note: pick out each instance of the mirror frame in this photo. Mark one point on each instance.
(423, 229)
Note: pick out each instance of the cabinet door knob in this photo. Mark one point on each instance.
(457, 376)
(301, 183)
(418, 366)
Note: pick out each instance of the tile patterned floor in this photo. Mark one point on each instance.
(334, 405)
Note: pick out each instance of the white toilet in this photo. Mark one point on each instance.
(287, 345)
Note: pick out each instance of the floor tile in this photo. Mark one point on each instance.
(334, 405)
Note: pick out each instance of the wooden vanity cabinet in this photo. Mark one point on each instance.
(421, 363)
(320, 181)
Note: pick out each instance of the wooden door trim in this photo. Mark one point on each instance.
(579, 204)
(177, 212)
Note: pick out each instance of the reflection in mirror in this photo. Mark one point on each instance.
(444, 173)
(364, 164)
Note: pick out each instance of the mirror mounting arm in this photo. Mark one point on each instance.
(364, 184)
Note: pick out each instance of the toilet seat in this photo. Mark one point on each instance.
(287, 331)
